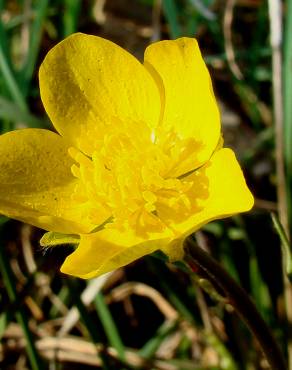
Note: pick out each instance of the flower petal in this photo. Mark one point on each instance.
(36, 182)
(190, 108)
(107, 250)
(89, 84)
(219, 191)
(224, 193)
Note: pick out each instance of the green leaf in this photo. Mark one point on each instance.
(52, 239)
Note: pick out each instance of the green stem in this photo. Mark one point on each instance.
(202, 263)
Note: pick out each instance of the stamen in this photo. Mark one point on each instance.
(128, 182)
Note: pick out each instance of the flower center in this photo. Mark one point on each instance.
(133, 179)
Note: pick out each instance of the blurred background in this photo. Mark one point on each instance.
(151, 314)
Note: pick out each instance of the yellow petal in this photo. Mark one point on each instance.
(89, 84)
(190, 108)
(221, 191)
(107, 250)
(36, 182)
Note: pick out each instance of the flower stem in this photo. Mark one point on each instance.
(203, 264)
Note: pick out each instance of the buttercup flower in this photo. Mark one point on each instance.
(137, 164)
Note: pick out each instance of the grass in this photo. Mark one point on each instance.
(150, 315)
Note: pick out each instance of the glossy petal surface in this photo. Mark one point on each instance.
(139, 164)
(219, 191)
(90, 87)
(36, 181)
(189, 105)
(107, 250)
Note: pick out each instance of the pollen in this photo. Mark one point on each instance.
(128, 179)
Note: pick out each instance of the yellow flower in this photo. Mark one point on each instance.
(138, 164)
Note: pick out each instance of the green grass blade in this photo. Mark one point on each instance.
(222, 351)
(3, 35)
(10, 82)
(63, 296)
(21, 316)
(34, 44)
(87, 321)
(6, 126)
(287, 97)
(4, 320)
(109, 325)
(11, 112)
(171, 14)
(173, 298)
(71, 15)
(285, 245)
(259, 289)
(149, 348)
